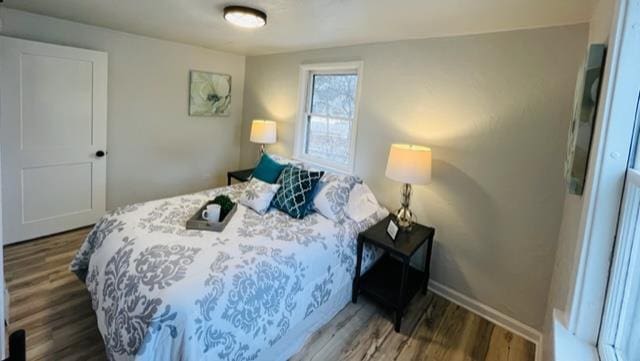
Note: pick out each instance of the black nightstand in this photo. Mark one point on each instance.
(239, 175)
(391, 280)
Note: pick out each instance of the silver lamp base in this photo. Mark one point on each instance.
(404, 216)
(260, 154)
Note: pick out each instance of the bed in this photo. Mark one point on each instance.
(255, 291)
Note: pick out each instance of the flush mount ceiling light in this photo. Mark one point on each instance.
(245, 17)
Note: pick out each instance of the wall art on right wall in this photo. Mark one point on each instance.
(583, 119)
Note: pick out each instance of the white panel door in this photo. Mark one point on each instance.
(53, 117)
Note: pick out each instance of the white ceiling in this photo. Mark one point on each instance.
(306, 24)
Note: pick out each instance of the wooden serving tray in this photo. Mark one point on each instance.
(197, 222)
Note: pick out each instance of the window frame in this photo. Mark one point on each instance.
(624, 273)
(304, 107)
(588, 302)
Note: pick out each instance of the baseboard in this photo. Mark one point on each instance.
(493, 315)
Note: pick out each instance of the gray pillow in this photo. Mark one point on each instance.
(332, 196)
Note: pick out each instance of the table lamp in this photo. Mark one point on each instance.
(263, 132)
(408, 164)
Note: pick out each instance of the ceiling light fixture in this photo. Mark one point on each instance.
(245, 17)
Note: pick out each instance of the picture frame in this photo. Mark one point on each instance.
(209, 94)
(583, 118)
(392, 229)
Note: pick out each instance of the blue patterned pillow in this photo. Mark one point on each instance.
(297, 187)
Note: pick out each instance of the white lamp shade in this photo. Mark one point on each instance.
(409, 164)
(263, 131)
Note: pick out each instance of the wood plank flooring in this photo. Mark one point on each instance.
(53, 306)
(49, 302)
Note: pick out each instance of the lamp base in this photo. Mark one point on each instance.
(405, 219)
(404, 216)
(260, 154)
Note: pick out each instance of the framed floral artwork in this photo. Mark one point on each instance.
(582, 121)
(209, 94)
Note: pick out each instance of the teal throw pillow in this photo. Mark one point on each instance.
(297, 187)
(268, 170)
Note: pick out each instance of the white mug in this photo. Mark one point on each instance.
(212, 213)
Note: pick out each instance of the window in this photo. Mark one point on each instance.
(329, 107)
(620, 330)
(602, 314)
(619, 338)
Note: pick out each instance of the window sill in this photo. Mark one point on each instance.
(566, 346)
(326, 166)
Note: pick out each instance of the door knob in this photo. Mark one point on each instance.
(100, 154)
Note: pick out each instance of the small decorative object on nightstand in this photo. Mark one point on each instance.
(263, 132)
(239, 175)
(391, 280)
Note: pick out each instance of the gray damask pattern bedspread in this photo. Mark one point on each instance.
(162, 292)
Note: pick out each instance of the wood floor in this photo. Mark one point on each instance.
(52, 305)
(49, 302)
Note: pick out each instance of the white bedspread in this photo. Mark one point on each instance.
(162, 292)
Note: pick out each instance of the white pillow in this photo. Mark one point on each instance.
(258, 195)
(362, 203)
(333, 195)
(284, 160)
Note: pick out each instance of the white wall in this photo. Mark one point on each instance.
(568, 239)
(495, 108)
(155, 148)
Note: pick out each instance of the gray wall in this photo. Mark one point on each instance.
(155, 148)
(495, 109)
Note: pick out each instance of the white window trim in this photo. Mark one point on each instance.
(625, 273)
(303, 97)
(605, 182)
(567, 347)
(4, 306)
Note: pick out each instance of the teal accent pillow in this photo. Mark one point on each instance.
(268, 170)
(297, 187)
